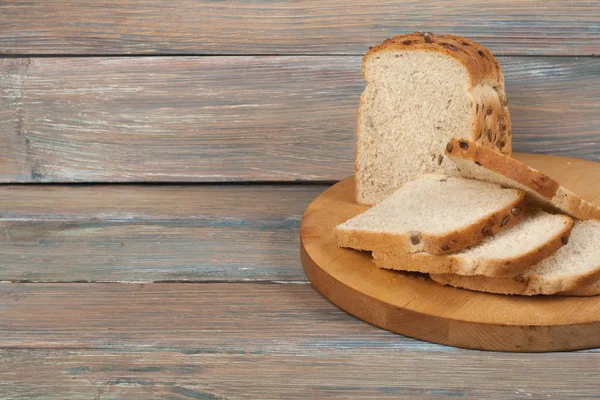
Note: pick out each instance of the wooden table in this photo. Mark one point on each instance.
(156, 158)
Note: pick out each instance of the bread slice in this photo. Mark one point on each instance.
(478, 162)
(434, 213)
(589, 290)
(572, 267)
(508, 253)
(422, 90)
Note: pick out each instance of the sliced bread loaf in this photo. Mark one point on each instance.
(572, 267)
(508, 253)
(478, 162)
(434, 213)
(422, 90)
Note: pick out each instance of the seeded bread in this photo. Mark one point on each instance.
(422, 90)
(479, 162)
(506, 254)
(572, 267)
(433, 213)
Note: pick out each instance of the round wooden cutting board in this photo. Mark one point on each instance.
(415, 306)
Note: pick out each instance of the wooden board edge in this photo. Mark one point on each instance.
(444, 331)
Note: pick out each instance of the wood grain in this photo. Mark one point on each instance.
(213, 341)
(157, 233)
(420, 308)
(365, 369)
(194, 317)
(241, 118)
(550, 27)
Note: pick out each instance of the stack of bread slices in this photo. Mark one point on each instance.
(448, 200)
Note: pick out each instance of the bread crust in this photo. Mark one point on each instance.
(455, 264)
(589, 290)
(434, 244)
(528, 286)
(491, 119)
(540, 183)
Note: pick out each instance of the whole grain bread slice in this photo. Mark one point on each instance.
(572, 267)
(422, 90)
(506, 254)
(479, 162)
(434, 213)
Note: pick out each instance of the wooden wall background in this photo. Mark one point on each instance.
(173, 98)
(206, 91)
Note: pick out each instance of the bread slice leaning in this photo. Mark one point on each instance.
(574, 266)
(508, 253)
(434, 213)
(478, 162)
(422, 90)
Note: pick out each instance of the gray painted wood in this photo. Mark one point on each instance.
(363, 370)
(164, 119)
(241, 118)
(218, 317)
(152, 233)
(234, 341)
(551, 27)
(149, 233)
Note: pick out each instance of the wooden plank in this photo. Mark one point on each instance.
(216, 317)
(358, 371)
(213, 341)
(551, 27)
(179, 119)
(157, 233)
(221, 317)
(241, 118)
(66, 233)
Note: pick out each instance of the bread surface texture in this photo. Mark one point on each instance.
(505, 254)
(479, 162)
(586, 291)
(434, 213)
(573, 267)
(423, 89)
